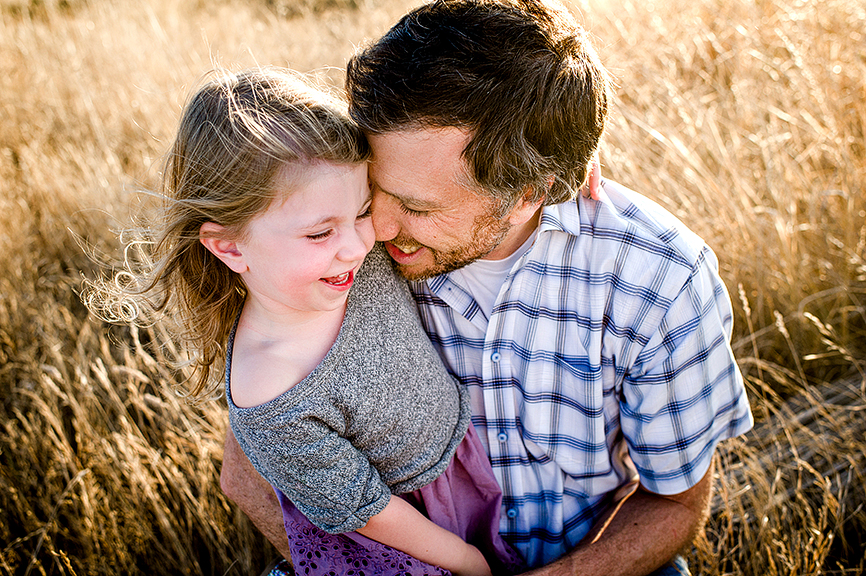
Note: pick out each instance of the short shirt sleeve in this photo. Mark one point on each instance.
(300, 450)
(684, 392)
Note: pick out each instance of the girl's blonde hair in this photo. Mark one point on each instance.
(236, 132)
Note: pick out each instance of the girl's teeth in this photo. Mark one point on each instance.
(341, 279)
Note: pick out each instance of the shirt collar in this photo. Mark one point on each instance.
(562, 217)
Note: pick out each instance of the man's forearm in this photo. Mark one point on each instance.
(253, 495)
(646, 532)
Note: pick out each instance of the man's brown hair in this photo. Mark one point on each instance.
(520, 75)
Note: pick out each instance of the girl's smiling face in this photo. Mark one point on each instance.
(302, 253)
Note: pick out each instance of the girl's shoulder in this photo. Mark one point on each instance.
(262, 369)
(378, 282)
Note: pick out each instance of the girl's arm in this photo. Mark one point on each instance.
(401, 526)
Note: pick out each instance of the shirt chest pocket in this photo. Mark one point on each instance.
(562, 414)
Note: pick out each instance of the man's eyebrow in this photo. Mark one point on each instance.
(418, 203)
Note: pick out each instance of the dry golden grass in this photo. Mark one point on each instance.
(744, 118)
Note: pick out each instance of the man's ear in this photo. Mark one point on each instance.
(217, 241)
(524, 209)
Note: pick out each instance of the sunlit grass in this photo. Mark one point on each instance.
(746, 119)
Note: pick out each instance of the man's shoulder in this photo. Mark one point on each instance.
(624, 219)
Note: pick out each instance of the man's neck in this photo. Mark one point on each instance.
(515, 238)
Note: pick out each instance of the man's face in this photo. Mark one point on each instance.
(430, 221)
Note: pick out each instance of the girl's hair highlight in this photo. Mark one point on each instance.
(237, 131)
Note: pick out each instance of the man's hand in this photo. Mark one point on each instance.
(646, 532)
(591, 188)
(253, 495)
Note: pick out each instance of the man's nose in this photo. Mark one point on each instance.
(385, 217)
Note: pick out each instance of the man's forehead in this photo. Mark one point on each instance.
(415, 164)
(415, 148)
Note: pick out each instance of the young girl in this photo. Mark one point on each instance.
(335, 394)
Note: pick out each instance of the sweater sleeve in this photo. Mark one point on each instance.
(300, 449)
(379, 415)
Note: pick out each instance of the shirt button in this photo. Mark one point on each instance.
(496, 357)
(502, 436)
(511, 513)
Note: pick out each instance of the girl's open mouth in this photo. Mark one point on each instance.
(340, 281)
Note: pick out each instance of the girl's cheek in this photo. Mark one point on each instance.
(367, 233)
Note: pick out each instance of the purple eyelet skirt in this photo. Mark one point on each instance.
(465, 499)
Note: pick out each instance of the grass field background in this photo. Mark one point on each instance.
(744, 118)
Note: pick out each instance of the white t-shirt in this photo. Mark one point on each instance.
(484, 278)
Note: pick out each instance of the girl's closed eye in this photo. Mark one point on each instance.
(321, 235)
(367, 211)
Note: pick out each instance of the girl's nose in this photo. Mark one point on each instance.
(357, 242)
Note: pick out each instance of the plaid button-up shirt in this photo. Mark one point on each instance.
(610, 338)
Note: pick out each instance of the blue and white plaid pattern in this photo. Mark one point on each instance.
(611, 332)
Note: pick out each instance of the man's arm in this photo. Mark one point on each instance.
(645, 533)
(252, 494)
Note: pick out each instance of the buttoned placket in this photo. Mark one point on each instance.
(500, 399)
(502, 438)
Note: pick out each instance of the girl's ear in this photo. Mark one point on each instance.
(216, 239)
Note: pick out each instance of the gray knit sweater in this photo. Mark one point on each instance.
(379, 415)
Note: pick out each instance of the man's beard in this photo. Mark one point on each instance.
(487, 233)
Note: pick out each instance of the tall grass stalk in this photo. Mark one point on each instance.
(746, 119)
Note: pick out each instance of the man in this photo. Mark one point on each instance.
(593, 334)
